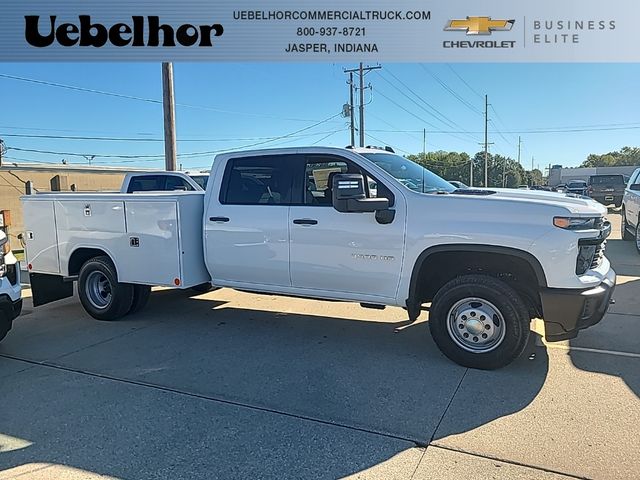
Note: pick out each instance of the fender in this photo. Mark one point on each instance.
(464, 247)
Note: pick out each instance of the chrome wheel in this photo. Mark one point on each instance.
(476, 325)
(98, 289)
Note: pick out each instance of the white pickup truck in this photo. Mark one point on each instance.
(305, 222)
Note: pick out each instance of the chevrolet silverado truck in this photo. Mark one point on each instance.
(304, 222)
(10, 299)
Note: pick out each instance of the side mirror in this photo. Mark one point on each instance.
(635, 187)
(348, 194)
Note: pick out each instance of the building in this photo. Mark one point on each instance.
(54, 177)
(559, 174)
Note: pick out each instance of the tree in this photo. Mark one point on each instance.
(626, 156)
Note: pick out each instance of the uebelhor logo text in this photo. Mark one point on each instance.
(120, 34)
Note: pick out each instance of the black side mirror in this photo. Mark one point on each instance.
(635, 187)
(348, 194)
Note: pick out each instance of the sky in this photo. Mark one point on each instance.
(223, 106)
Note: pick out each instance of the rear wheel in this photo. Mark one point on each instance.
(638, 236)
(479, 321)
(141, 294)
(100, 293)
(204, 288)
(624, 227)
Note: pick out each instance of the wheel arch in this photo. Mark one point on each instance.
(434, 255)
(81, 254)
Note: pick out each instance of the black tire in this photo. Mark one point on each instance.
(4, 328)
(111, 305)
(141, 294)
(515, 322)
(637, 236)
(626, 234)
(203, 288)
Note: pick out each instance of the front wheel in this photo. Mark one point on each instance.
(638, 236)
(100, 293)
(479, 322)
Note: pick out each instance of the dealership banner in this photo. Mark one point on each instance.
(321, 31)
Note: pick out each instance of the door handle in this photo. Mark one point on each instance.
(218, 219)
(305, 221)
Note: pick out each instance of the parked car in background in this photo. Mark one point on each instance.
(10, 299)
(159, 182)
(201, 178)
(561, 188)
(631, 210)
(578, 187)
(607, 189)
(523, 187)
(457, 184)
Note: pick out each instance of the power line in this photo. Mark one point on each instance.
(453, 134)
(147, 100)
(132, 139)
(464, 81)
(451, 91)
(443, 118)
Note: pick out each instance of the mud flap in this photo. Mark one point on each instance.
(49, 288)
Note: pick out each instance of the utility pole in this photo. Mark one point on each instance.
(519, 147)
(504, 173)
(471, 172)
(352, 111)
(362, 70)
(486, 141)
(169, 108)
(361, 105)
(424, 143)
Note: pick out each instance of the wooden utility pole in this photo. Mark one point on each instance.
(471, 171)
(519, 147)
(169, 107)
(424, 143)
(486, 141)
(352, 111)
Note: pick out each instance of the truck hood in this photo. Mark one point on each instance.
(578, 205)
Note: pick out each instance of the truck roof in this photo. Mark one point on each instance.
(305, 149)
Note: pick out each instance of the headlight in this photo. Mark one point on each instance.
(577, 223)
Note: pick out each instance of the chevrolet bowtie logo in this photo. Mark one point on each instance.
(479, 25)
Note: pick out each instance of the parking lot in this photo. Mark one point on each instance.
(235, 385)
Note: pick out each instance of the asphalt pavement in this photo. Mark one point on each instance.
(232, 385)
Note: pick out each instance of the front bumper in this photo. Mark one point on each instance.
(567, 311)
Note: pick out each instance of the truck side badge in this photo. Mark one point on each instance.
(134, 241)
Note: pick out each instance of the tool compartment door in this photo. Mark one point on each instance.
(152, 243)
(40, 236)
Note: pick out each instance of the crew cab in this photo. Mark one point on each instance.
(10, 291)
(304, 222)
(631, 210)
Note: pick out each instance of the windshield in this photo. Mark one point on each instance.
(410, 174)
(201, 180)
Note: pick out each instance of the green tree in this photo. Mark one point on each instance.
(626, 156)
